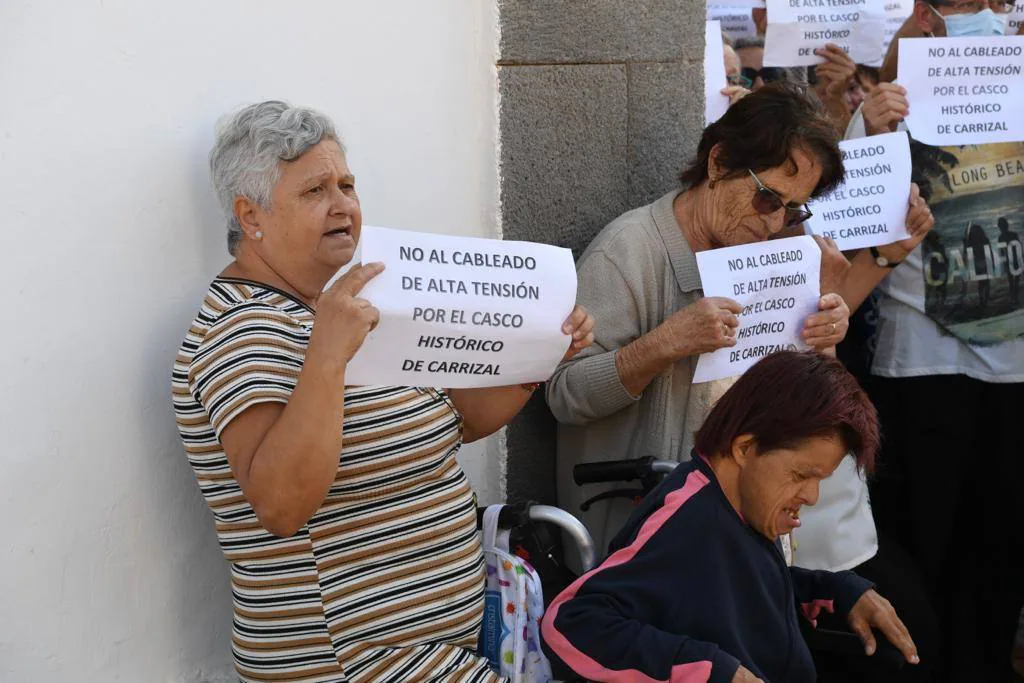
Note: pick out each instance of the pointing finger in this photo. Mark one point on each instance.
(354, 280)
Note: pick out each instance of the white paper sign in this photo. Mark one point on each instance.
(796, 28)
(715, 103)
(896, 12)
(964, 91)
(737, 22)
(777, 283)
(462, 312)
(870, 207)
(1015, 19)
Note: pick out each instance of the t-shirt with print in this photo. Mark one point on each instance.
(954, 306)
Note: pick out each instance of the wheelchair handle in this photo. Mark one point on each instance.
(572, 527)
(620, 470)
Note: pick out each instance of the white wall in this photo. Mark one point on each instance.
(108, 235)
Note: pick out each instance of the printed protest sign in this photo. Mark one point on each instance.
(798, 27)
(964, 91)
(896, 12)
(870, 207)
(737, 22)
(777, 283)
(462, 312)
(715, 103)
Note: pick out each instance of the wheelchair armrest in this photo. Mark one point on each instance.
(848, 644)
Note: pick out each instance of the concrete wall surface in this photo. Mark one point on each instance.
(602, 104)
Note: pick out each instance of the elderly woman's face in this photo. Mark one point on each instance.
(773, 486)
(734, 218)
(315, 219)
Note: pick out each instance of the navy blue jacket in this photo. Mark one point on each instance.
(690, 592)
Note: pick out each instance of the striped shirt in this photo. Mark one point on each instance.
(385, 582)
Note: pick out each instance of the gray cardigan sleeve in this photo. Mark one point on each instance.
(588, 387)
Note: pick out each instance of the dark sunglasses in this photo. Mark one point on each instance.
(766, 201)
(768, 74)
(740, 80)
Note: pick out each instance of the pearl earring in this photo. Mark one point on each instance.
(258, 235)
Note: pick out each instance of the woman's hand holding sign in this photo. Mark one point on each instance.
(833, 76)
(919, 223)
(834, 73)
(866, 273)
(885, 107)
(580, 325)
(702, 327)
(827, 328)
(486, 410)
(343, 318)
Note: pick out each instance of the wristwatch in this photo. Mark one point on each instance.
(881, 261)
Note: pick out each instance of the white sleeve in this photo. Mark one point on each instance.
(856, 129)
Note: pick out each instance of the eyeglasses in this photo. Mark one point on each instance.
(740, 80)
(768, 201)
(768, 74)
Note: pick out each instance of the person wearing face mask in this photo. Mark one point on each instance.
(973, 18)
(912, 28)
(948, 376)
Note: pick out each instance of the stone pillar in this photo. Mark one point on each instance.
(601, 105)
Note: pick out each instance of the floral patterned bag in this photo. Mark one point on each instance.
(513, 607)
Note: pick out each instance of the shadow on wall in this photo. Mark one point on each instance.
(197, 594)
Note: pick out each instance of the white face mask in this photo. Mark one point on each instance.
(978, 25)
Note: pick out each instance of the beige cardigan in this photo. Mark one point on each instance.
(637, 271)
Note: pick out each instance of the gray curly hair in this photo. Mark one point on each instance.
(251, 143)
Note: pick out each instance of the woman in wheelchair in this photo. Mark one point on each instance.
(696, 587)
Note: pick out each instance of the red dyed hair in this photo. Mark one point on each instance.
(789, 397)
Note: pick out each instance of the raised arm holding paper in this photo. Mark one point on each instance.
(756, 168)
(304, 472)
(950, 322)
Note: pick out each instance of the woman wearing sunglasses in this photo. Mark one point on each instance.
(755, 169)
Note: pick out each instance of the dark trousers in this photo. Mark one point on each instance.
(898, 580)
(950, 490)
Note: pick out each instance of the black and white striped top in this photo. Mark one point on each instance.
(385, 582)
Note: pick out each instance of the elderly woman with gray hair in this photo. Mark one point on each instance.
(349, 527)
